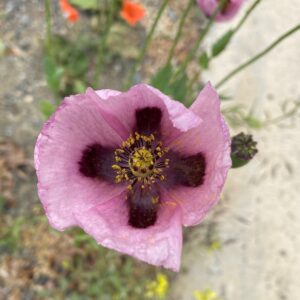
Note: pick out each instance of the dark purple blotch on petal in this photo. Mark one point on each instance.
(148, 120)
(192, 169)
(96, 162)
(143, 206)
(185, 170)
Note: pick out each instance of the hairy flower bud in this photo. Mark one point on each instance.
(243, 149)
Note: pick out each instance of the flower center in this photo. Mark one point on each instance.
(141, 162)
(140, 159)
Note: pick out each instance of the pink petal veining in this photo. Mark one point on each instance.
(159, 245)
(177, 118)
(62, 189)
(211, 138)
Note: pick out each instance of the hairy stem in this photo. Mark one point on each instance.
(257, 56)
(284, 116)
(245, 17)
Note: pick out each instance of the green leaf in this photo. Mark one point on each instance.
(47, 108)
(86, 4)
(2, 203)
(221, 43)
(79, 86)
(204, 61)
(53, 73)
(253, 123)
(161, 79)
(225, 97)
(178, 88)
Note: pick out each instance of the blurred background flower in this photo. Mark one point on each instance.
(69, 11)
(207, 294)
(229, 10)
(132, 12)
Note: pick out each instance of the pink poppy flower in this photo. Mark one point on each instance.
(229, 11)
(131, 168)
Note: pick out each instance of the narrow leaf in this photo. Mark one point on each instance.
(221, 43)
(204, 61)
(47, 108)
(254, 123)
(161, 79)
(53, 73)
(178, 89)
(86, 4)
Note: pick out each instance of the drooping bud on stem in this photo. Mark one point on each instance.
(243, 149)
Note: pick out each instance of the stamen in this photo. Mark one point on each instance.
(140, 159)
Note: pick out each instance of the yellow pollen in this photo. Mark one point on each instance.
(155, 200)
(139, 159)
(140, 162)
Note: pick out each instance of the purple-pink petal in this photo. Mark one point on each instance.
(77, 123)
(104, 119)
(176, 117)
(209, 6)
(212, 139)
(159, 245)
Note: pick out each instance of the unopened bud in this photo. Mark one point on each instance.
(243, 149)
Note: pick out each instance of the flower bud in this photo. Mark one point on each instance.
(243, 149)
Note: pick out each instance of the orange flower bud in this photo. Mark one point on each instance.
(69, 11)
(132, 12)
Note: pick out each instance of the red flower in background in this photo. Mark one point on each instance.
(132, 12)
(69, 11)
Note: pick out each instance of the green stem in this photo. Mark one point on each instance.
(283, 116)
(103, 36)
(247, 14)
(257, 56)
(193, 80)
(200, 38)
(190, 86)
(146, 44)
(48, 26)
(179, 31)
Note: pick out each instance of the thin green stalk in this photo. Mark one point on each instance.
(193, 80)
(257, 56)
(179, 31)
(146, 44)
(111, 11)
(191, 84)
(48, 26)
(245, 17)
(103, 36)
(283, 116)
(200, 39)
